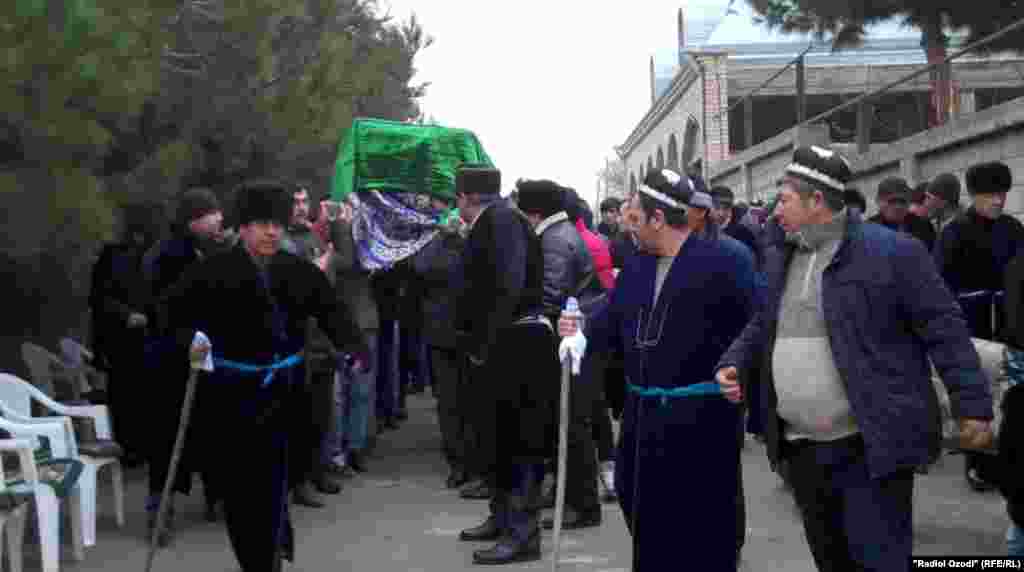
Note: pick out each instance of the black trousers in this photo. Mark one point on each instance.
(853, 522)
(602, 432)
(309, 423)
(581, 458)
(451, 409)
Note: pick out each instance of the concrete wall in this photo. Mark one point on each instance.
(994, 134)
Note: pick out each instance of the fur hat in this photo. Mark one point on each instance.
(823, 168)
(541, 197)
(945, 186)
(894, 189)
(263, 200)
(195, 203)
(477, 179)
(989, 178)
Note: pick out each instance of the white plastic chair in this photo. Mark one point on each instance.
(12, 521)
(59, 433)
(16, 396)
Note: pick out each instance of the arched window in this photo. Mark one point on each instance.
(661, 159)
(690, 138)
(650, 164)
(632, 183)
(673, 153)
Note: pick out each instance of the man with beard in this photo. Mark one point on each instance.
(253, 303)
(196, 234)
(308, 465)
(674, 311)
(499, 322)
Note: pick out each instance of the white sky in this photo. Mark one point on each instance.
(548, 86)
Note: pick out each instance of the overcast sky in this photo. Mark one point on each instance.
(548, 86)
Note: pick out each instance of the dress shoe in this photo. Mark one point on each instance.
(457, 479)
(977, 483)
(509, 550)
(573, 519)
(476, 492)
(356, 461)
(211, 512)
(304, 496)
(326, 485)
(165, 536)
(486, 531)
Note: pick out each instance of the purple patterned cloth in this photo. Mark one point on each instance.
(390, 227)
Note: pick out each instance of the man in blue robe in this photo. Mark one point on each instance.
(676, 308)
(253, 303)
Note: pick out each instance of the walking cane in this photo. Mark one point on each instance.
(172, 470)
(563, 447)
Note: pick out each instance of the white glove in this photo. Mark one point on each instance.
(201, 345)
(575, 346)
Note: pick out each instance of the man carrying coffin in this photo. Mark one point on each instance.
(253, 303)
(675, 310)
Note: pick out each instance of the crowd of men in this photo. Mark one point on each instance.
(816, 324)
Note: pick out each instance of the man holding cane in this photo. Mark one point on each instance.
(675, 309)
(253, 304)
(851, 314)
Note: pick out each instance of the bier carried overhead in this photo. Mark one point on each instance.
(395, 157)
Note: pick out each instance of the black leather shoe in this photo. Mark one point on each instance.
(573, 520)
(456, 479)
(304, 496)
(356, 461)
(486, 531)
(509, 550)
(326, 485)
(211, 512)
(477, 492)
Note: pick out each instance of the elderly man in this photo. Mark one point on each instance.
(253, 303)
(852, 313)
(499, 320)
(674, 312)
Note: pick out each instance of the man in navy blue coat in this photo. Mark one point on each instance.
(676, 308)
(852, 312)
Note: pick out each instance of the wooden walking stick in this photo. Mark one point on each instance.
(563, 448)
(172, 470)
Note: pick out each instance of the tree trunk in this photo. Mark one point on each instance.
(934, 41)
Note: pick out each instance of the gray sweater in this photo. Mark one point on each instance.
(811, 394)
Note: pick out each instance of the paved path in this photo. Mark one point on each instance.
(399, 517)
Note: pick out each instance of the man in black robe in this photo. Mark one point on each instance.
(253, 303)
(723, 213)
(513, 365)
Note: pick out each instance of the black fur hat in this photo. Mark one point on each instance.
(195, 203)
(478, 179)
(263, 200)
(989, 178)
(541, 197)
(945, 186)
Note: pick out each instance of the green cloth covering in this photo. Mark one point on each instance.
(394, 157)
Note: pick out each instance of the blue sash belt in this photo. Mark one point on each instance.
(703, 388)
(289, 362)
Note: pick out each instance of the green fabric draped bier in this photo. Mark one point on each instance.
(394, 157)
